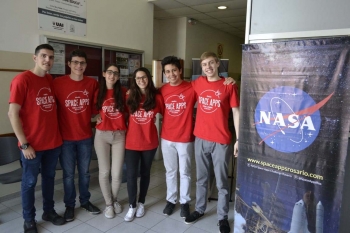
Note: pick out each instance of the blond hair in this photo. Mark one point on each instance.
(205, 55)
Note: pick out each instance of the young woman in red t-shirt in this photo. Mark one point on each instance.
(110, 137)
(143, 102)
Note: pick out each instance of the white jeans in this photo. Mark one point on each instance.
(177, 157)
(110, 150)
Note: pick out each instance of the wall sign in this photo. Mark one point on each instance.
(63, 16)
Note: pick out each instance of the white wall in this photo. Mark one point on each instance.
(176, 37)
(201, 38)
(170, 38)
(276, 16)
(122, 23)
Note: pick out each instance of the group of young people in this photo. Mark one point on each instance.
(52, 120)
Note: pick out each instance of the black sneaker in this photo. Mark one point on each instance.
(185, 210)
(224, 226)
(89, 207)
(30, 227)
(169, 208)
(193, 217)
(53, 217)
(69, 214)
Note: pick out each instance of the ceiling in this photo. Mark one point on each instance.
(232, 20)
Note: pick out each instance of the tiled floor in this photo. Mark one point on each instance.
(154, 221)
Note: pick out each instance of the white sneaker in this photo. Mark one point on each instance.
(109, 212)
(130, 215)
(140, 210)
(117, 208)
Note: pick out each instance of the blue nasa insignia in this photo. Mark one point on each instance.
(286, 119)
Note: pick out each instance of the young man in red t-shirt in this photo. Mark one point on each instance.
(213, 137)
(75, 94)
(177, 135)
(33, 117)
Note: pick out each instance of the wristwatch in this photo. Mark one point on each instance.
(24, 146)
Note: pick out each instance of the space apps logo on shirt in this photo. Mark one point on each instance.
(288, 119)
(77, 101)
(209, 100)
(175, 105)
(109, 110)
(45, 99)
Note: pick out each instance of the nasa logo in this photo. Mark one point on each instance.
(287, 119)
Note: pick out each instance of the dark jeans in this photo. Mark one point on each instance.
(44, 162)
(76, 153)
(132, 160)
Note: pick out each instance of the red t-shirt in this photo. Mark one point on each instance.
(112, 119)
(75, 101)
(215, 101)
(38, 111)
(178, 119)
(142, 132)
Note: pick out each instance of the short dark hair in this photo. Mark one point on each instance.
(171, 60)
(43, 46)
(77, 53)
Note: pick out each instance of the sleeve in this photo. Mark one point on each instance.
(18, 90)
(160, 104)
(234, 99)
(94, 99)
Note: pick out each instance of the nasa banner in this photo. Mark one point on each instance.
(294, 128)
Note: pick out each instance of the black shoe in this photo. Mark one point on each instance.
(169, 208)
(53, 217)
(224, 226)
(89, 207)
(30, 227)
(185, 210)
(69, 214)
(193, 217)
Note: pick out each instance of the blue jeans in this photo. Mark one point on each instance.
(44, 162)
(76, 153)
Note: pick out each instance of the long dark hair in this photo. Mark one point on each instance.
(117, 92)
(135, 94)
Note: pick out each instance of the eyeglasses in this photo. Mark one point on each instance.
(111, 72)
(82, 63)
(139, 78)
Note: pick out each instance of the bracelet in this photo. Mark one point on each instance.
(237, 140)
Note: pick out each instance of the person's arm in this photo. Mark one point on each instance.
(16, 124)
(229, 81)
(235, 113)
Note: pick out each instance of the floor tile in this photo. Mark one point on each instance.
(149, 220)
(7, 214)
(193, 229)
(82, 214)
(83, 228)
(104, 224)
(128, 227)
(58, 229)
(153, 222)
(15, 225)
(170, 226)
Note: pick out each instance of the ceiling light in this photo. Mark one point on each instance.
(222, 7)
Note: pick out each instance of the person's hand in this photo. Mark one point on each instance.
(229, 80)
(235, 149)
(29, 153)
(98, 120)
